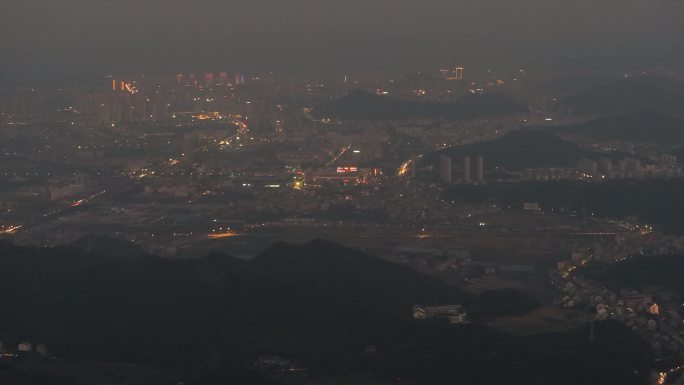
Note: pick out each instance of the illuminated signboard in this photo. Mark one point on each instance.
(344, 170)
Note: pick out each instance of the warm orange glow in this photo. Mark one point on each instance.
(209, 115)
(113, 84)
(224, 234)
(347, 169)
(404, 168)
(9, 230)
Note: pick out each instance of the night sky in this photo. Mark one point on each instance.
(91, 36)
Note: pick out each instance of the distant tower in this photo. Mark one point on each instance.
(445, 168)
(459, 73)
(466, 169)
(480, 169)
(413, 166)
(179, 78)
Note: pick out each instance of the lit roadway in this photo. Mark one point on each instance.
(112, 189)
(343, 150)
(243, 129)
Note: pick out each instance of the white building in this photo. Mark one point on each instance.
(455, 314)
(25, 347)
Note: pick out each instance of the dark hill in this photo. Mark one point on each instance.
(319, 302)
(640, 272)
(307, 300)
(106, 246)
(657, 202)
(632, 94)
(362, 105)
(571, 85)
(519, 150)
(678, 152)
(641, 126)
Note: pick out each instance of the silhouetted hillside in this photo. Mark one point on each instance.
(320, 302)
(657, 202)
(678, 152)
(629, 95)
(640, 272)
(298, 300)
(571, 85)
(362, 105)
(641, 126)
(519, 150)
(106, 246)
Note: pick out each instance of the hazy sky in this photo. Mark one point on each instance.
(90, 36)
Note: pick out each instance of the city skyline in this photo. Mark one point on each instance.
(89, 38)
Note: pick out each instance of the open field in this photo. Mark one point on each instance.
(547, 319)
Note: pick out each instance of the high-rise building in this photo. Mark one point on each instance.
(209, 79)
(634, 167)
(223, 78)
(606, 166)
(466, 169)
(458, 72)
(588, 167)
(480, 169)
(240, 79)
(103, 111)
(445, 168)
(622, 168)
(159, 107)
(140, 108)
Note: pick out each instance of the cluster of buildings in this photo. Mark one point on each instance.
(628, 168)
(446, 170)
(22, 349)
(660, 324)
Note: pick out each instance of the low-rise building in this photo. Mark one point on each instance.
(455, 314)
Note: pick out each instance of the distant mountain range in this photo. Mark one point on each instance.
(519, 150)
(654, 93)
(362, 105)
(640, 126)
(571, 85)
